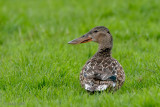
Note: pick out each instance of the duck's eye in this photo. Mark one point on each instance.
(108, 32)
(95, 31)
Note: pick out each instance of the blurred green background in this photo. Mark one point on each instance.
(39, 68)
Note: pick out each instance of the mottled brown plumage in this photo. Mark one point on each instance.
(101, 72)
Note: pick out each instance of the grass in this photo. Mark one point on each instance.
(39, 68)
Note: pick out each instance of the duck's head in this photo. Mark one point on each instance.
(99, 34)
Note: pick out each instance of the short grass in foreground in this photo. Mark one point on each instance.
(39, 68)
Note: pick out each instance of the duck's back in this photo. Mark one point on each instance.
(101, 73)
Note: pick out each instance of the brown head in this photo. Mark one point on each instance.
(99, 34)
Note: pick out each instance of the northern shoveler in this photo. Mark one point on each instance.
(101, 72)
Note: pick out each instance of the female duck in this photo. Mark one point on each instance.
(101, 72)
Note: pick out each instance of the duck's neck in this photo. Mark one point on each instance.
(104, 51)
(105, 46)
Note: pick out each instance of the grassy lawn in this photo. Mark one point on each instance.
(39, 68)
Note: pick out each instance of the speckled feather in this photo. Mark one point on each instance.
(102, 72)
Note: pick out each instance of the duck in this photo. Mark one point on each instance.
(101, 72)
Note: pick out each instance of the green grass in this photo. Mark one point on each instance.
(39, 68)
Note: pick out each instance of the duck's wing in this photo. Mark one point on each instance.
(99, 75)
(105, 77)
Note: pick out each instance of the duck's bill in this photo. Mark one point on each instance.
(83, 39)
